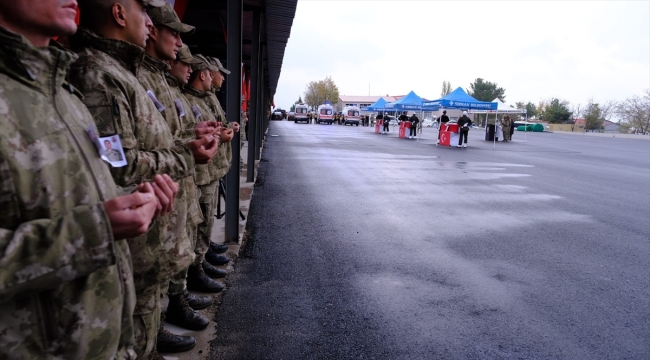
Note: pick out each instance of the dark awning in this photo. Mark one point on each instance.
(210, 19)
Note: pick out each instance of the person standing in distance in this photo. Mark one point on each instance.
(443, 119)
(67, 283)
(386, 124)
(414, 126)
(403, 117)
(379, 118)
(506, 123)
(463, 128)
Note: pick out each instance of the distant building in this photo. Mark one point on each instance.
(360, 101)
(611, 127)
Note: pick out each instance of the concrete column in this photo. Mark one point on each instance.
(233, 113)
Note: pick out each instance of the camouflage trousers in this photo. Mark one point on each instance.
(146, 319)
(178, 247)
(177, 283)
(208, 204)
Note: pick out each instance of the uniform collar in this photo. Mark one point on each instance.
(43, 69)
(128, 55)
(198, 93)
(154, 65)
(173, 82)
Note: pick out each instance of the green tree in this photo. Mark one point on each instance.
(486, 91)
(531, 110)
(318, 92)
(557, 111)
(299, 101)
(635, 113)
(446, 88)
(593, 116)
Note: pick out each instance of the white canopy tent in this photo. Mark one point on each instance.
(502, 108)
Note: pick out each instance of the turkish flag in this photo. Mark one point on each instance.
(445, 138)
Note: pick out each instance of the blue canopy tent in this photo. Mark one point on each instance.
(408, 102)
(458, 99)
(379, 105)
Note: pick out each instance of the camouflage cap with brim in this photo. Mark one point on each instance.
(165, 15)
(214, 61)
(202, 63)
(185, 55)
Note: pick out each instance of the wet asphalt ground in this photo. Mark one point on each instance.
(366, 246)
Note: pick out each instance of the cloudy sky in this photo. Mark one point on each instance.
(533, 49)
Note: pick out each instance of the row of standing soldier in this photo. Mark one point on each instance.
(88, 250)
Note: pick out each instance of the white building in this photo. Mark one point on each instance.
(360, 101)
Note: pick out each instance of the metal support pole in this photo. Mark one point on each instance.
(233, 114)
(264, 116)
(254, 110)
(262, 109)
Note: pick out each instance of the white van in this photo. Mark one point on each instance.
(351, 115)
(301, 111)
(326, 114)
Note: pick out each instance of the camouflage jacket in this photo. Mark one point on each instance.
(226, 155)
(204, 109)
(106, 74)
(179, 250)
(202, 112)
(66, 288)
(184, 110)
(185, 133)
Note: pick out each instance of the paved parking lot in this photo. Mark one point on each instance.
(370, 246)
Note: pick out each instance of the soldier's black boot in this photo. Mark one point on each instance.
(218, 248)
(215, 259)
(172, 343)
(181, 314)
(197, 280)
(197, 302)
(212, 271)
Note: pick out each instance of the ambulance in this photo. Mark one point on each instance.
(326, 114)
(301, 111)
(351, 115)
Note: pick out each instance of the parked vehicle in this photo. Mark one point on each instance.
(351, 115)
(284, 113)
(326, 114)
(277, 115)
(301, 112)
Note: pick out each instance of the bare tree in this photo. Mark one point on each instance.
(635, 112)
(608, 109)
(577, 113)
(318, 92)
(446, 88)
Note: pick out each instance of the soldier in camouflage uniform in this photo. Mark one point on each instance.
(110, 53)
(198, 95)
(162, 46)
(224, 158)
(180, 72)
(66, 288)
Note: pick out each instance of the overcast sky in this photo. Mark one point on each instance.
(533, 49)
